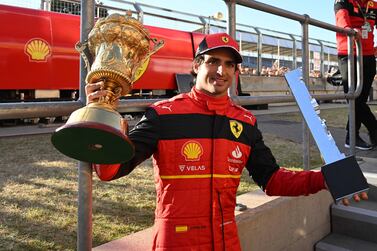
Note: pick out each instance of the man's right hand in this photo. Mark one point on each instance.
(358, 33)
(94, 91)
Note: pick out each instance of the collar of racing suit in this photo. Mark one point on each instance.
(219, 105)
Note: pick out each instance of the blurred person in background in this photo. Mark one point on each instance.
(359, 15)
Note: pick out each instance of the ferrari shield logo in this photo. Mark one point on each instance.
(236, 128)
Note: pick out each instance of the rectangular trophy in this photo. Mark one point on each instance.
(343, 175)
(121, 48)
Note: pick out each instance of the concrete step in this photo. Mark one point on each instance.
(357, 221)
(338, 242)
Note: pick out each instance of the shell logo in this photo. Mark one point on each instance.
(37, 50)
(192, 150)
(370, 4)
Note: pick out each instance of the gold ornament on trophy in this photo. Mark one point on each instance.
(120, 46)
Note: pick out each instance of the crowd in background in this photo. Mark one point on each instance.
(274, 70)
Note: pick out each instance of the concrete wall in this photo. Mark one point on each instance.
(269, 224)
(283, 223)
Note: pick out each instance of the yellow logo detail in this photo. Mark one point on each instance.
(180, 229)
(37, 49)
(370, 4)
(236, 128)
(192, 150)
(225, 39)
(141, 70)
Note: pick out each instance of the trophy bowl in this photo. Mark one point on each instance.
(117, 47)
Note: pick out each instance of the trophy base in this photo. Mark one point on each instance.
(344, 178)
(94, 134)
(93, 142)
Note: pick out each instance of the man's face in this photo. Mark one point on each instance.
(215, 74)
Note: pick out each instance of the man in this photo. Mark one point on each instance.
(200, 142)
(359, 15)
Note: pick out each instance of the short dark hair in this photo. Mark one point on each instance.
(197, 60)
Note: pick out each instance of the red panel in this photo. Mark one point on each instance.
(60, 68)
(197, 38)
(66, 59)
(175, 57)
(16, 68)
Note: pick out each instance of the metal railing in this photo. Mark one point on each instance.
(24, 110)
(246, 34)
(305, 21)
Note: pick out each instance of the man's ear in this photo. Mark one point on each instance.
(237, 68)
(195, 67)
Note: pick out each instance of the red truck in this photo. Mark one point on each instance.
(38, 60)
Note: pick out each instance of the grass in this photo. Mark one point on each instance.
(333, 119)
(38, 199)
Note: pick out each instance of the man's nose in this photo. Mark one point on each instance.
(220, 68)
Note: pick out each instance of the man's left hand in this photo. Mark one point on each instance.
(356, 197)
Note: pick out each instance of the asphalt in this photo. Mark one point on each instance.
(267, 123)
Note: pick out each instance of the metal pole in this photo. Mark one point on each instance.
(140, 12)
(84, 228)
(294, 52)
(209, 25)
(231, 4)
(232, 32)
(322, 58)
(351, 102)
(278, 59)
(259, 51)
(305, 73)
(205, 25)
(84, 224)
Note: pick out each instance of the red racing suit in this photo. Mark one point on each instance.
(352, 14)
(200, 146)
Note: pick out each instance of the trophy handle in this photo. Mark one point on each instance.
(83, 49)
(157, 46)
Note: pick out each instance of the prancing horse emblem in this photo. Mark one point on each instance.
(236, 128)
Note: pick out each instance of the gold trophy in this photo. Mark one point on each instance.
(120, 47)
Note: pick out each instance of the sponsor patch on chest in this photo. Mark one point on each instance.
(191, 168)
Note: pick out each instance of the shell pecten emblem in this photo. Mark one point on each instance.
(192, 150)
(38, 50)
